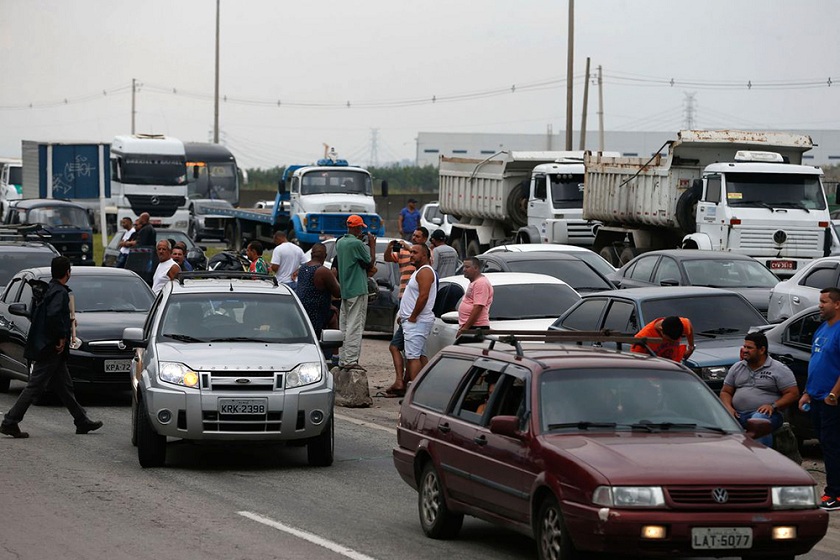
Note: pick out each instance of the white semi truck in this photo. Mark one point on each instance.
(745, 192)
(519, 197)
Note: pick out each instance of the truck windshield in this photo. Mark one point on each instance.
(148, 169)
(217, 181)
(339, 181)
(59, 216)
(15, 175)
(566, 191)
(777, 190)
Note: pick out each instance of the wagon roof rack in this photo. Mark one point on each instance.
(516, 338)
(225, 275)
(24, 232)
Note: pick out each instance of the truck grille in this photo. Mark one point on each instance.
(704, 497)
(580, 231)
(799, 243)
(332, 223)
(160, 206)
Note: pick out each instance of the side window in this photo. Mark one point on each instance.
(643, 269)
(540, 191)
(437, 387)
(507, 398)
(476, 396)
(586, 316)
(150, 318)
(713, 189)
(668, 270)
(11, 291)
(801, 333)
(820, 277)
(26, 296)
(490, 266)
(622, 318)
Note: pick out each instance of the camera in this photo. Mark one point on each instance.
(395, 246)
(365, 238)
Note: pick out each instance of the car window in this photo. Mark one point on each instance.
(800, 333)
(531, 301)
(643, 269)
(11, 291)
(508, 398)
(110, 293)
(622, 318)
(14, 262)
(575, 273)
(667, 270)
(491, 266)
(437, 386)
(722, 273)
(26, 295)
(586, 316)
(821, 277)
(472, 403)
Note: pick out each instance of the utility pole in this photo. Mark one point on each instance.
(689, 110)
(374, 148)
(585, 108)
(570, 68)
(133, 111)
(216, 104)
(600, 110)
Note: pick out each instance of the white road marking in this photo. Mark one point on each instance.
(315, 539)
(392, 431)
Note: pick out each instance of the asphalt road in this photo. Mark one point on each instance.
(85, 497)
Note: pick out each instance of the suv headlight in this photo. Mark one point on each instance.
(629, 496)
(304, 374)
(178, 374)
(713, 373)
(794, 497)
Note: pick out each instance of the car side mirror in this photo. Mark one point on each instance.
(19, 309)
(133, 337)
(331, 338)
(450, 317)
(506, 426)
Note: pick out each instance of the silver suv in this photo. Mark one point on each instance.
(230, 356)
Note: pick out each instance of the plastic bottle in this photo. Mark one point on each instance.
(806, 407)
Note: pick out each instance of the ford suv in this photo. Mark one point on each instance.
(230, 357)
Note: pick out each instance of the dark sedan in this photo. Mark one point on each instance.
(720, 319)
(711, 269)
(107, 300)
(570, 269)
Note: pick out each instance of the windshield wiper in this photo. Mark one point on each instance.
(752, 202)
(238, 339)
(721, 330)
(650, 426)
(582, 425)
(182, 337)
(795, 205)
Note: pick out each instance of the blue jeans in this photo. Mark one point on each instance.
(826, 421)
(121, 258)
(776, 420)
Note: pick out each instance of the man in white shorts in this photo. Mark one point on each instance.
(415, 315)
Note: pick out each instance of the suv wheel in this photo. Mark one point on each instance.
(435, 518)
(553, 540)
(321, 449)
(151, 446)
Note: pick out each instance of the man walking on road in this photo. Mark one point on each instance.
(415, 315)
(409, 219)
(47, 346)
(355, 260)
(822, 390)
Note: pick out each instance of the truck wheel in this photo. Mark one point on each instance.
(517, 205)
(151, 446)
(320, 450)
(458, 245)
(686, 210)
(473, 248)
(628, 254)
(610, 255)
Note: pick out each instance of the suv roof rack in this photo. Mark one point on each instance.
(515, 338)
(225, 275)
(23, 232)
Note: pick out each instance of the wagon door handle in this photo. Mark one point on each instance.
(480, 440)
(445, 428)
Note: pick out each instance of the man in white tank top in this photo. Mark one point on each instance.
(167, 269)
(415, 314)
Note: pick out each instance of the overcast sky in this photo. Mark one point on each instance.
(289, 69)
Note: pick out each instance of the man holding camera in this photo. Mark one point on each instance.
(356, 254)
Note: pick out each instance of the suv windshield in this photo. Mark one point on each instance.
(732, 314)
(220, 317)
(777, 190)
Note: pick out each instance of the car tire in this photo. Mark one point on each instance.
(436, 520)
(4, 384)
(134, 421)
(553, 541)
(320, 450)
(151, 446)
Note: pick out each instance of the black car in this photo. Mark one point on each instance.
(195, 253)
(67, 224)
(720, 319)
(690, 267)
(563, 266)
(205, 220)
(382, 310)
(17, 255)
(107, 300)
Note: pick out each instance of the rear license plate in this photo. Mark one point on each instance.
(781, 265)
(706, 538)
(117, 366)
(242, 406)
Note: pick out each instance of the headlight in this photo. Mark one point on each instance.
(714, 373)
(178, 374)
(85, 248)
(180, 225)
(304, 374)
(794, 497)
(313, 222)
(629, 496)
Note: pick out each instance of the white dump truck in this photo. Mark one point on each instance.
(515, 197)
(745, 192)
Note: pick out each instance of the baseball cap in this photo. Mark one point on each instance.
(412, 200)
(438, 235)
(355, 221)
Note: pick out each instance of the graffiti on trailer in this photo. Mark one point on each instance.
(63, 181)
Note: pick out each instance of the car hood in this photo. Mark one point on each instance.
(107, 325)
(722, 350)
(696, 458)
(238, 356)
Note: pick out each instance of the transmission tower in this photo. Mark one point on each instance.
(690, 110)
(374, 148)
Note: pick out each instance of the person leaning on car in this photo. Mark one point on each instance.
(759, 387)
(670, 330)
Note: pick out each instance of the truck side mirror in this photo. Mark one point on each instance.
(281, 186)
(384, 189)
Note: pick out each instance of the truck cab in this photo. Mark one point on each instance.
(67, 224)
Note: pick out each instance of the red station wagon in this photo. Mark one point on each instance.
(589, 449)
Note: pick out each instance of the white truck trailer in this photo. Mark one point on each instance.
(519, 197)
(745, 192)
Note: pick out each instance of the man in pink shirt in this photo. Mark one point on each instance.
(474, 311)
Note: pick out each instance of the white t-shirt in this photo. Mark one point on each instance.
(161, 276)
(126, 236)
(288, 257)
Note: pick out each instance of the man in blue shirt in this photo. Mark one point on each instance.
(409, 219)
(821, 391)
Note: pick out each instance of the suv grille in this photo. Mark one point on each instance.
(738, 497)
(249, 381)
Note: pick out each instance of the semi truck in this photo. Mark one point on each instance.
(515, 196)
(11, 182)
(719, 190)
(312, 204)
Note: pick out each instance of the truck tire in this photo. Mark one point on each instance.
(473, 248)
(628, 254)
(458, 245)
(610, 255)
(686, 210)
(517, 205)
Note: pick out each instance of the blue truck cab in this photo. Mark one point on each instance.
(68, 225)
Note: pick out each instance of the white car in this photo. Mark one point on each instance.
(588, 256)
(802, 290)
(432, 218)
(521, 302)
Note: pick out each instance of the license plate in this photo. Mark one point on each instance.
(706, 538)
(242, 406)
(781, 265)
(117, 366)
(155, 221)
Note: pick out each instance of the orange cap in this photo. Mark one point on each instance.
(355, 221)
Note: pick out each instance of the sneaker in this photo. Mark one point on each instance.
(829, 504)
(13, 430)
(88, 426)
